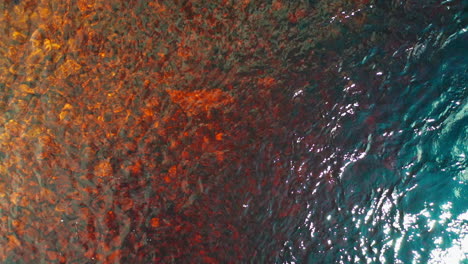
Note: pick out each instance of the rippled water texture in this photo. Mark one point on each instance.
(233, 131)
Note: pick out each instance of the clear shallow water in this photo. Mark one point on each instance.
(167, 132)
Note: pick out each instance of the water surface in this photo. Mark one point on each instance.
(233, 131)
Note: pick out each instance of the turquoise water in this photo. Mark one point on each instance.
(398, 146)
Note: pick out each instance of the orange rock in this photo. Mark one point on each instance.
(200, 101)
(155, 222)
(173, 170)
(103, 169)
